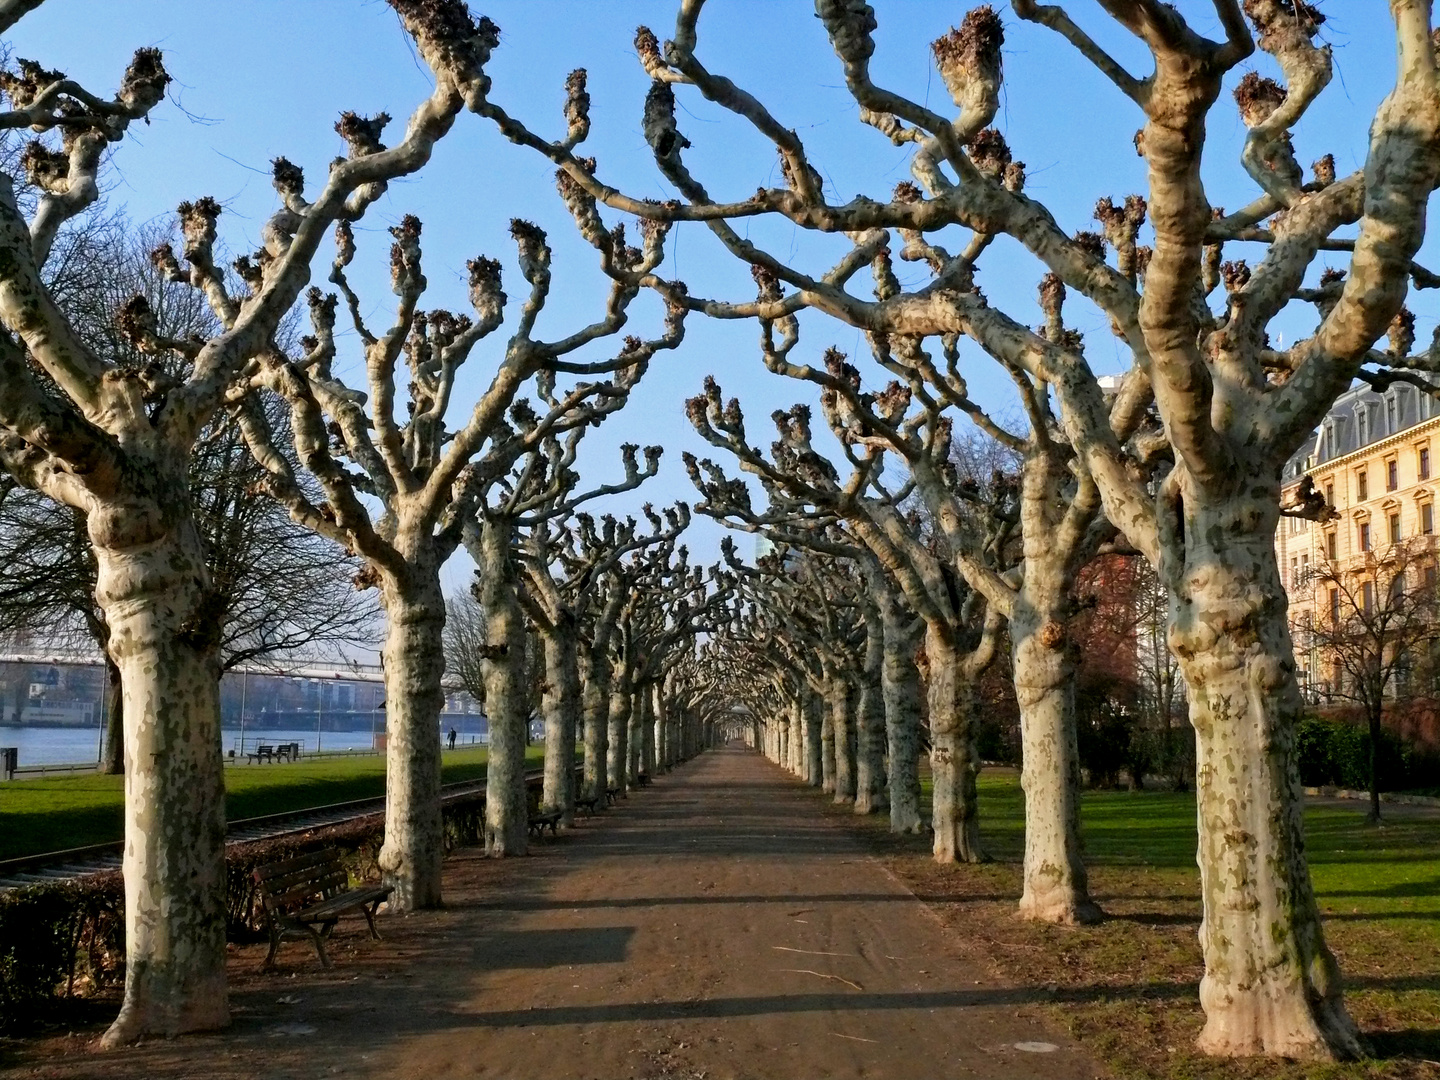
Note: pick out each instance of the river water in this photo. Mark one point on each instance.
(68, 745)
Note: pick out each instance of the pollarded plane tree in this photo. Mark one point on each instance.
(763, 670)
(538, 491)
(962, 629)
(594, 590)
(861, 579)
(400, 492)
(672, 608)
(811, 601)
(1057, 509)
(563, 559)
(804, 512)
(1233, 405)
(608, 656)
(115, 440)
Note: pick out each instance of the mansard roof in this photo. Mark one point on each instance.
(1359, 418)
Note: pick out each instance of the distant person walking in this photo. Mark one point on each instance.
(452, 738)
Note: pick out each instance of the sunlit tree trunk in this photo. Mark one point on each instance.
(506, 810)
(1270, 981)
(154, 590)
(619, 724)
(954, 706)
(560, 704)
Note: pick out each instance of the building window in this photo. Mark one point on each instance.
(1392, 474)
(1394, 528)
(1330, 546)
(1392, 415)
(1430, 577)
(1422, 464)
(1294, 572)
(1397, 588)
(1364, 536)
(1334, 607)
(1305, 573)
(1367, 596)
(1362, 486)
(1362, 421)
(1427, 518)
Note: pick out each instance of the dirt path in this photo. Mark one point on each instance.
(717, 925)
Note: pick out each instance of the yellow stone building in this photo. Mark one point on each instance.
(1374, 458)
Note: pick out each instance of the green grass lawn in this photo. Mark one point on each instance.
(1128, 987)
(73, 811)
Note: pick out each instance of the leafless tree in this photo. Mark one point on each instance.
(1230, 405)
(1372, 626)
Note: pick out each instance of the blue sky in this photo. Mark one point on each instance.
(260, 78)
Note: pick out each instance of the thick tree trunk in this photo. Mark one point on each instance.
(799, 759)
(506, 707)
(595, 709)
(619, 723)
(164, 639)
(661, 726)
(842, 717)
(561, 705)
(954, 705)
(645, 720)
(814, 739)
(827, 741)
(414, 661)
(900, 682)
(1271, 985)
(1055, 884)
(870, 722)
(112, 760)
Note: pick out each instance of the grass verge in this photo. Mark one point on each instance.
(1127, 989)
(75, 811)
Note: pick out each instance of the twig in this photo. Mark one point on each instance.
(856, 1038)
(822, 975)
(809, 952)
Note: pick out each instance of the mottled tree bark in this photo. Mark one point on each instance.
(155, 592)
(954, 705)
(1055, 883)
(560, 705)
(870, 720)
(661, 724)
(414, 662)
(841, 706)
(506, 707)
(1270, 981)
(827, 741)
(619, 724)
(815, 756)
(900, 682)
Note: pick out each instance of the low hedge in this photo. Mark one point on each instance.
(1334, 753)
(65, 940)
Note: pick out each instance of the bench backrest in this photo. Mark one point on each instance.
(294, 883)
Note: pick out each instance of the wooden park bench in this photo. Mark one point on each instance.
(540, 820)
(588, 804)
(262, 752)
(311, 891)
(289, 751)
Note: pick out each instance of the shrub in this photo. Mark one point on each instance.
(1336, 753)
